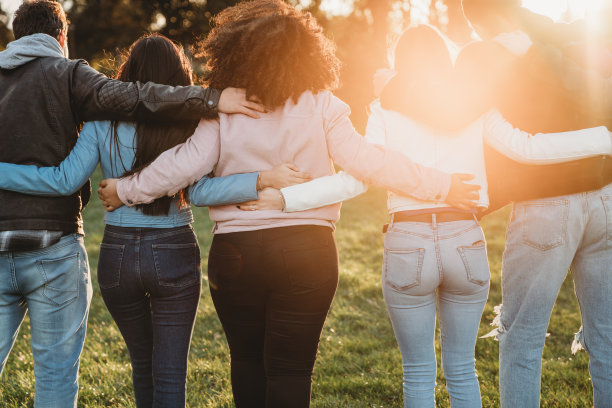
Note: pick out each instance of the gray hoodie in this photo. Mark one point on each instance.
(28, 48)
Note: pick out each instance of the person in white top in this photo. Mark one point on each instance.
(435, 255)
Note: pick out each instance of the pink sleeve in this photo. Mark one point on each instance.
(375, 165)
(174, 169)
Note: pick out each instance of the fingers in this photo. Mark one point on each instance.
(255, 106)
(249, 112)
(304, 176)
(298, 179)
(471, 187)
(291, 166)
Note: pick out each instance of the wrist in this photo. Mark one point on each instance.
(263, 180)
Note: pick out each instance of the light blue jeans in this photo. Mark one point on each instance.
(544, 239)
(443, 263)
(53, 284)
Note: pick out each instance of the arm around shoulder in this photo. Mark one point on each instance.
(545, 148)
(97, 97)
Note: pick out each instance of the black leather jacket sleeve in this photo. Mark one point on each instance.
(96, 97)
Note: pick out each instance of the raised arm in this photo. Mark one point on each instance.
(96, 97)
(65, 179)
(174, 169)
(545, 148)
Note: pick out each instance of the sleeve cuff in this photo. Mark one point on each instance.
(122, 192)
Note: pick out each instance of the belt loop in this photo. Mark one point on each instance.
(434, 221)
(392, 219)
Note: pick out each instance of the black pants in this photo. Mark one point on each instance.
(272, 290)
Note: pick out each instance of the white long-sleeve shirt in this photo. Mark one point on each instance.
(451, 152)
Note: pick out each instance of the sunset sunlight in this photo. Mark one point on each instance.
(305, 203)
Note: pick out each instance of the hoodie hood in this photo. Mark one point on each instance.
(29, 48)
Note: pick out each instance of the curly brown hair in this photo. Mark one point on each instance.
(271, 49)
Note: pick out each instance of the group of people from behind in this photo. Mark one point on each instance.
(265, 169)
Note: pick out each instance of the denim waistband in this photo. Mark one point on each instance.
(145, 233)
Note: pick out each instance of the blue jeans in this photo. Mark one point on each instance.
(443, 263)
(545, 238)
(150, 281)
(53, 284)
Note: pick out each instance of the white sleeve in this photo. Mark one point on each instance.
(545, 148)
(375, 129)
(322, 191)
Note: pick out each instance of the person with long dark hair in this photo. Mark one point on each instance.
(149, 264)
(273, 275)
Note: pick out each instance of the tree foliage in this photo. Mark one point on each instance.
(107, 25)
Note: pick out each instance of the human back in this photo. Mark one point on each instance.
(35, 73)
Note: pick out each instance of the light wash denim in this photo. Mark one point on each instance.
(545, 238)
(54, 286)
(425, 264)
(95, 144)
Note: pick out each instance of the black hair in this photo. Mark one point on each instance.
(154, 58)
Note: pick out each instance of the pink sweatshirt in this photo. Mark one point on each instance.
(310, 133)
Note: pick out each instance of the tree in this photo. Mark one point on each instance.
(102, 26)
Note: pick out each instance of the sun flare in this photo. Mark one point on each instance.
(564, 9)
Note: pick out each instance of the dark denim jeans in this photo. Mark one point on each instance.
(150, 281)
(272, 290)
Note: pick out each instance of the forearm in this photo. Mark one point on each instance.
(65, 179)
(385, 168)
(43, 181)
(545, 148)
(214, 191)
(174, 169)
(99, 98)
(321, 192)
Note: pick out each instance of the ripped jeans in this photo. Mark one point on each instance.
(439, 266)
(544, 239)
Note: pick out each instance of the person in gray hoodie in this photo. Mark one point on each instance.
(44, 99)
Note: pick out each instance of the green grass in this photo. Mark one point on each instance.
(359, 364)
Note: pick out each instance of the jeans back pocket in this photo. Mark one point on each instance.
(476, 263)
(543, 223)
(402, 267)
(109, 265)
(177, 265)
(61, 277)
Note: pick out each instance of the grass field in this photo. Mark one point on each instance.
(359, 364)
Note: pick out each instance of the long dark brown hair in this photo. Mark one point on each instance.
(271, 49)
(154, 58)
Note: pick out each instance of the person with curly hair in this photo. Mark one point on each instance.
(272, 274)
